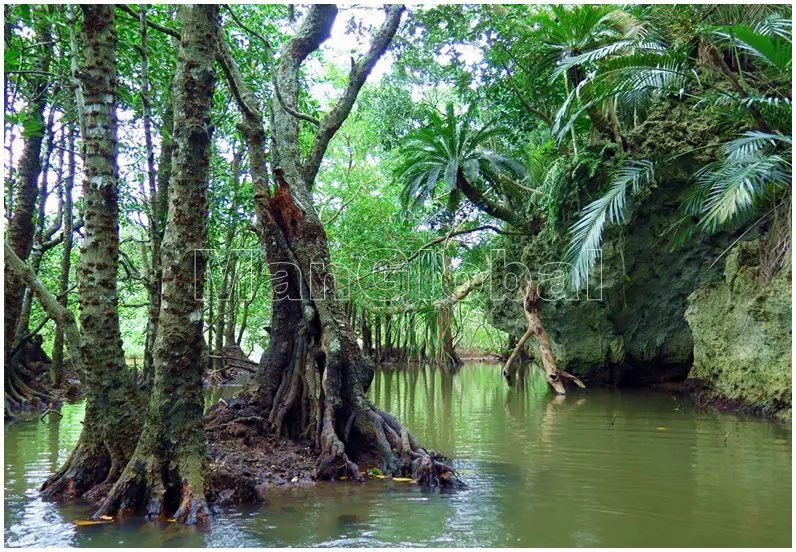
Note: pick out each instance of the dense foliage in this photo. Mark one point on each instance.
(483, 120)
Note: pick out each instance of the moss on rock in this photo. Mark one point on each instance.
(631, 328)
(742, 335)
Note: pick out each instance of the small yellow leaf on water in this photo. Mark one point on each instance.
(172, 520)
(343, 477)
(660, 428)
(377, 475)
(404, 479)
(85, 522)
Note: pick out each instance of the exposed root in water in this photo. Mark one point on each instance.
(248, 459)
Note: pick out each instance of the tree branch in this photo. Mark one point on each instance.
(63, 317)
(492, 208)
(528, 107)
(163, 29)
(359, 73)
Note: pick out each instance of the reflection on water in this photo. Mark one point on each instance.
(597, 468)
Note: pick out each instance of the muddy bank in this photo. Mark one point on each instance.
(245, 462)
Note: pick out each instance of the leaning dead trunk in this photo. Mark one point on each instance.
(555, 377)
(166, 471)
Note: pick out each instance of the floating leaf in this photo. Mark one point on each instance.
(86, 522)
(404, 479)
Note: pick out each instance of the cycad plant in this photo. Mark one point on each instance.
(753, 169)
(582, 35)
(450, 155)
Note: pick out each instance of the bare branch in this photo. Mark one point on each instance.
(163, 29)
(359, 73)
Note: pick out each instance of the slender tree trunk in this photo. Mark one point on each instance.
(57, 369)
(229, 270)
(446, 353)
(42, 233)
(154, 282)
(232, 313)
(8, 127)
(20, 228)
(113, 411)
(367, 336)
(249, 300)
(167, 467)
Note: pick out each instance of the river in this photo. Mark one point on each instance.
(597, 468)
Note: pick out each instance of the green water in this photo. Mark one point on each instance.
(541, 472)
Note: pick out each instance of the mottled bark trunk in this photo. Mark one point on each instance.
(21, 228)
(113, 405)
(166, 471)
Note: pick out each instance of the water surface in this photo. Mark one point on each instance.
(597, 468)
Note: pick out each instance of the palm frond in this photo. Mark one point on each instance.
(776, 26)
(770, 49)
(604, 52)
(587, 233)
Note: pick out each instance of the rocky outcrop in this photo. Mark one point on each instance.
(742, 336)
(631, 329)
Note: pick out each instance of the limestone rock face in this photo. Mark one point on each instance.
(631, 328)
(742, 335)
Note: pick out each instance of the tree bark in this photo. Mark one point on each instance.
(42, 234)
(113, 419)
(166, 470)
(20, 228)
(313, 380)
